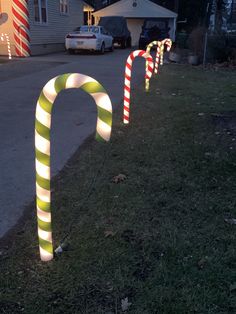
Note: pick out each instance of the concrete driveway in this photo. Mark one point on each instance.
(73, 119)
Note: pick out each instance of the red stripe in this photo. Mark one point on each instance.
(21, 6)
(18, 52)
(126, 108)
(21, 43)
(21, 31)
(127, 77)
(20, 18)
(127, 99)
(127, 88)
(132, 56)
(126, 118)
(128, 66)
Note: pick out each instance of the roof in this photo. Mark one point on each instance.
(143, 9)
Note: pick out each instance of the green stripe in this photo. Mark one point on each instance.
(42, 130)
(43, 158)
(93, 87)
(44, 206)
(60, 82)
(46, 245)
(44, 183)
(99, 138)
(105, 116)
(45, 226)
(45, 103)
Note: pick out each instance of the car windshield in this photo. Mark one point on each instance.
(159, 24)
(85, 29)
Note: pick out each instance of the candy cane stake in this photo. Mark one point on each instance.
(148, 49)
(168, 43)
(8, 44)
(128, 68)
(42, 144)
(21, 27)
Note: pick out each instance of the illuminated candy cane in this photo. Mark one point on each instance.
(164, 42)
(128, 68)
(21, 27)
(148, 49)
(8, 43)
(42, 144)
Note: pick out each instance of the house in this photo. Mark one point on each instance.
(39, 26)
(135, 11)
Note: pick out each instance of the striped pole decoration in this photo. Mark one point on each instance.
(42, 144)
(128, 68)
(21, 27)
(168, 43)
(148, 49)
(8, 44)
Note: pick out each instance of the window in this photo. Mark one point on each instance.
(64, 7)
(40, 11)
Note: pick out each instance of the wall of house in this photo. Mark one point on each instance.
(6, 27)
(50, 37)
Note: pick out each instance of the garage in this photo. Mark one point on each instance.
(135, 11)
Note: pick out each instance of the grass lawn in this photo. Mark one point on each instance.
(164, 237)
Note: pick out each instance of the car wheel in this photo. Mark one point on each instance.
(102, 49)
(112, 47)
(129, 42)
(71, 51)
(123, 44)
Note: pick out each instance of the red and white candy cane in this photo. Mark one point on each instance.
(128, 69)
(168, 43)
(21, 27)
(2, 36)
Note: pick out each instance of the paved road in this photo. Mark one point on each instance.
(74, 118)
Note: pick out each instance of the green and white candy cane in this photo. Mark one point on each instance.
(42, 144)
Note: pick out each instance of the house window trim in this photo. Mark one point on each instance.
(63, 13)
(41, 23)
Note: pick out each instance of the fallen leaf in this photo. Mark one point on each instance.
(231, 221)
(125, 304)
(120, 178)
(109, 233)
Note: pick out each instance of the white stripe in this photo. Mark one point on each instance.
(44, 216)
(126, 103)
(42, 170)
(49, 90)
(45, 235)
(43, 116)
(42, 144)
(102, 100)
(76, 80)
(43, 194)
(19, 11)
(127, 94)
(127, 82)
(44, 255)
(128, 72)
(103, 129)
(126, 113)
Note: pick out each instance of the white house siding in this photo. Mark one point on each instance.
(50, 37)
(7, 28)
(135, 28)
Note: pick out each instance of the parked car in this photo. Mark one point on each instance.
(117, 27)
(94, 38)
(153, 29)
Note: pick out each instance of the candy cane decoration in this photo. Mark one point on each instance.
(21, 27)
(164, 42)
(42, 144)
(148, 49)
(128, 68)
(8, 44)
